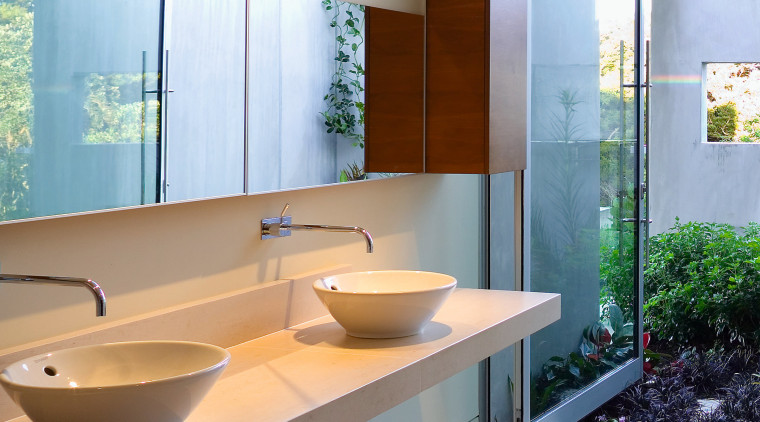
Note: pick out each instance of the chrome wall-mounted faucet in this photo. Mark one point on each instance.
(282, 225)
(97, 292)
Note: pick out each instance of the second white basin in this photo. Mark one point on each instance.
(384, 304)
(157, 381)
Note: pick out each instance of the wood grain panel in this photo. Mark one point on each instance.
(456, 86)
(394, 96)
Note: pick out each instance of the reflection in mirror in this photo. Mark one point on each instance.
(307, 90)
(301, 129)
(204, 109)
(86, 122)
(95, 114)
(77, 131)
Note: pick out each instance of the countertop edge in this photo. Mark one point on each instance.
(409, 379)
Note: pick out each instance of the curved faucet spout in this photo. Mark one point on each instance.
(93, 287)
(321, 227)
(281, 226)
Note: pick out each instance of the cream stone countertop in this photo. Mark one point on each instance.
(315, 372)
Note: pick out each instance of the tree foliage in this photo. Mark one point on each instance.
(16, 113)
(114, 115)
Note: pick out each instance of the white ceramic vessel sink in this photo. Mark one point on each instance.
(153, 381)
(384, 304)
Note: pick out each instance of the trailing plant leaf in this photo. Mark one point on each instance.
(345, 106)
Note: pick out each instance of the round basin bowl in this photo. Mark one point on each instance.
(384, 304)
(157, 381)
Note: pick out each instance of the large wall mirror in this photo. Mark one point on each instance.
(113, 104)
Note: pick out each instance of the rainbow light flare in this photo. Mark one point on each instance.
(676, 79)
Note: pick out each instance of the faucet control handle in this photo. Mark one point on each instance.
(273, 227)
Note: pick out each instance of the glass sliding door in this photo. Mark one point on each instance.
(582, 221)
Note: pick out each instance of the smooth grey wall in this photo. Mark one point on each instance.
(292, 48)
(205, 113)
(689, 178)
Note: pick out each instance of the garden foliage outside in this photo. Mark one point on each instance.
(701, 296)
(702, 312)
(733, 102)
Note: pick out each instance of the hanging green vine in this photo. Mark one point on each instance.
(345, 112)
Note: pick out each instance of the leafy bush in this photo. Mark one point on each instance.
(661, 399)
(617, 259)
(721, 123)
(709, 372)
(702, 285)
(740, 401)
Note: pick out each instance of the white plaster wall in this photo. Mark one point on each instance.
(689, 178)
(152, 257)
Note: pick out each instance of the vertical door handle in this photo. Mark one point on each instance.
(633, 220)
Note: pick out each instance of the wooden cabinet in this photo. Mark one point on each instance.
(476, 86)
(394, 93)
(475, 96)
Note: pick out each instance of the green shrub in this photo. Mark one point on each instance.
(752, 128)
(721, 123)
(616, 254)
(702, 285)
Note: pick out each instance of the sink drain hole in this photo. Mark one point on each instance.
(49, 370)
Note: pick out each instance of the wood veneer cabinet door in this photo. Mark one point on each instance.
(394, 93)
(476, 86)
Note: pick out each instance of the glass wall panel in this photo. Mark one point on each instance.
(503, 381)
(582, 188)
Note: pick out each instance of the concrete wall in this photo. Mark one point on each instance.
(292, 50)
(152, 257)
(206, 112)
(689, 178)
